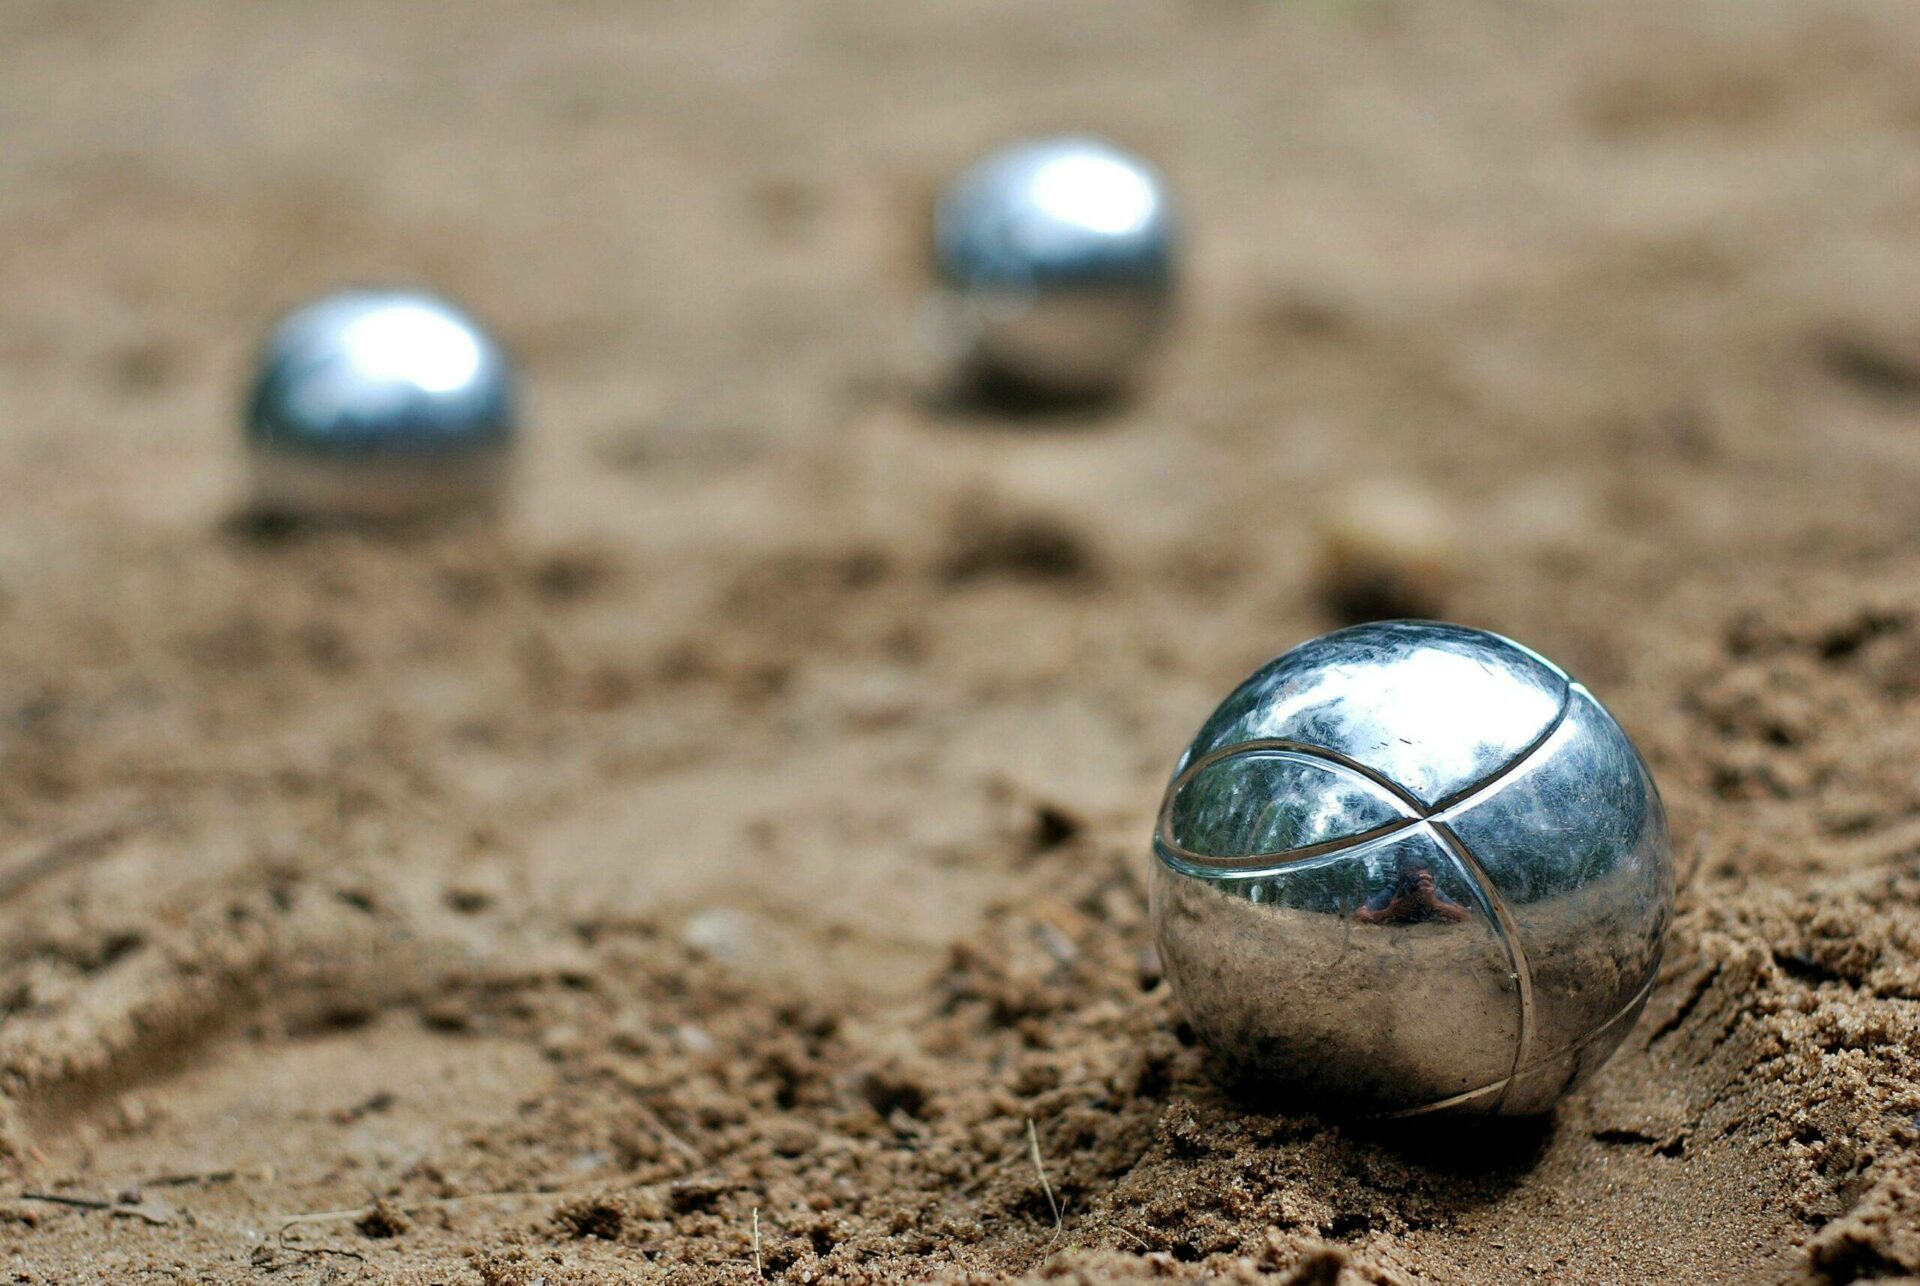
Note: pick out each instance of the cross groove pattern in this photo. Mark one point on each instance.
(1435, 819)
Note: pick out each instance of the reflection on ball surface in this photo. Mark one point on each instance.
(381, 404)
(1411, 867)
(1058, 258)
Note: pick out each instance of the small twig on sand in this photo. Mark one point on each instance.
(759, 1270)
(130, 1206)
(62, 851)
(678, 1144)
(82, 1203)
(1033, 1142)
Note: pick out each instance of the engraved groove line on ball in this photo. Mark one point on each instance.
(1188, 862)
(1508, 927)
(1505, 1083)
(1509, 932)
(1492, 904)
(1411, 814)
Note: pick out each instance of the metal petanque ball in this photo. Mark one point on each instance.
(1058, 260)
(1411, 867)
(380, 404)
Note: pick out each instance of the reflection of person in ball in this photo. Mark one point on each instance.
(1410, 899)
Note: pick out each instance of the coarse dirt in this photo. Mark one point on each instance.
(731, 864)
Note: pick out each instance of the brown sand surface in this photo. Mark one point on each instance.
(719, 868)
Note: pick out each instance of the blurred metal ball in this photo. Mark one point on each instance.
(1058, 258)
(382, 404)
(1411, 867)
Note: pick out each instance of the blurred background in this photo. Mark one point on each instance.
(1596, 324)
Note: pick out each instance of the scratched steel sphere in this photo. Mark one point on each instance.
(379, 404)
(1408, 868)
(1058, 261)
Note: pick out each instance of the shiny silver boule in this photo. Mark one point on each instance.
(1411, 867)
(1058, 261)
(379, 404)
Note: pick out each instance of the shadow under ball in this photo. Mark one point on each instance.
(381, 405)
(1057, 257)
(1411, 868)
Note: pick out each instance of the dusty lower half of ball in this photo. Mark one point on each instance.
(1411, 868)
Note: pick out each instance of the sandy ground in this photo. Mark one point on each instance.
(719, 867)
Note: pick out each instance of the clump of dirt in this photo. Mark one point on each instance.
(382, 1221)
(1387, 550)
(1028, 546)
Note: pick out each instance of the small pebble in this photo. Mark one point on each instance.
(1387, 550)
(721, 932)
